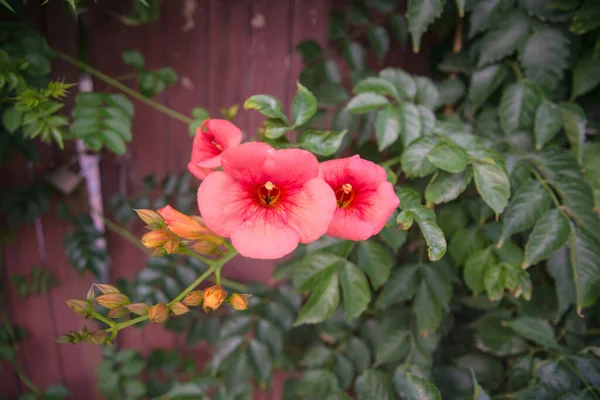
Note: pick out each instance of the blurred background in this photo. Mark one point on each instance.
(221, 51)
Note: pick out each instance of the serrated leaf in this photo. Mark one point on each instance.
(559, 268)
(587, 17)
(373, 258)
(545, 57)
(414, 158)
(481, 15)
(436, 242)
(267, 105)
(507, 34)
(411, 123)
(121, 102)
(271, 335)
(526, 207)
(373, 385)
(365, 102)
(12, 119)
(387, 127)
(224, 350)
(342, 368)
(133, 58)
(403, 81)
(450, 91)
(585, 75)
(427, 119)
(358, 353)
(493, 185)
(534, 329)
(401, 286)
(444, 186)
(113, 141)
(379, 40)
(304, 105)
(484, 83)
(420, 14)
(518, 107)
(392, 347)
(448, 157)
(322, 302)
(574, 123)
(548, 121)
(476, 267)
(427, 310)
(323, 143)
(427, 93)
(418, 388)
(354, 54)
(355, 290)
(261, 361)
(377, 85)
(585, 264)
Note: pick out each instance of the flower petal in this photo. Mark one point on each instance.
(334, 171)
(380, 206)
(244, 162)
(199, 172)
(365, 173)
(348, 224)
(311, 209)
(223, 203)
(226, 133)
(265, 236)
(291, 167)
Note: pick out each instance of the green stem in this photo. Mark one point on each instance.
(124, 233)
(102, 318)
(550, 191)
(125, 89)
(25, 379)
(391, 161)
(230, 283)
(218, 276)
(125, 324)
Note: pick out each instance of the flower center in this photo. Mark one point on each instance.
(344, 195)
(217, 145)
(268, 193)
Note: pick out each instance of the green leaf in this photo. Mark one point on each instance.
(476, 267)
(267, 105)
(261, 361)
(224, 350)
(444, 187)
(310, 51)
(355, 290)
(379, 40)
(330, 94)
(7, 5)
(507, 34)
(354, 54)
(450, 91)
(518, 107)
(427, 119)
(114, 142)
(378, 85)
(322, 302)
(548, 121)
(411, 123)
(481, 15)
(433, 296)
(494, 338)
(585, 75)
(375, 261)
(545, 57)
(121, 102)
(373, 385)
(12, 119)
(420, 14)
(403, 81)
(358, 353)
(559, 268)
(323, 143)
(587, 17)
(448, 157)
(392, 347)
(478, 392)
(399, 28)
(436, 242)
(318, 384)
(574, 123)
(493, 185)
(134, 388)
(401, 286)
(275, 128)
(414, 387)
(534, 329)
(56, 391)
(134, 58)
(414, 158)
(387, 127)
(427, 93)
(365, 102)
(304, 105)
(526, 207)
(585, 265)
(342, 368)
(270, 335)
(484, 82)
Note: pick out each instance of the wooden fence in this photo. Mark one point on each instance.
(224, 51)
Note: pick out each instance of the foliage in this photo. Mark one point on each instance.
(39, 280)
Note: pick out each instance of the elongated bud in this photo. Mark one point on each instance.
(91, 294)
(214, 297)
(153, 219)
(138, 308)
(99, 337)
(118, 312)
(172, 245)
(104, 289)
(194, 298)
(239, 301)
(79, 306)
(178, 308)
(112, 300)
(158, 313)
(159, 252)
(206, 247)
(155, 239)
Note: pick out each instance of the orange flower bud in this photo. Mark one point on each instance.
(182, 225)
(172, 245)
(207, 246)
(239, 301)
(99, 337)
(194, 298)
(138, 308)
(112, 300)
(118, 312)
(178, 308)
(214, 297)
(157, 238)
(79, 306)
(91, 294)
(103, 288)
(158, 313)
(159, 252)
(151, 218)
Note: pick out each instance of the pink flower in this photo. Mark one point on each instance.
(365, 199)
(212, 138)
(266, 201)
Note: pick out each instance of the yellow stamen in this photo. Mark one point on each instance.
(347, 188)
(344, 195)
(269, 194)
(269, 186)
(217, 145)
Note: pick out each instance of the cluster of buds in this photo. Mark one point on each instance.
(170, 228)
(85, 336)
